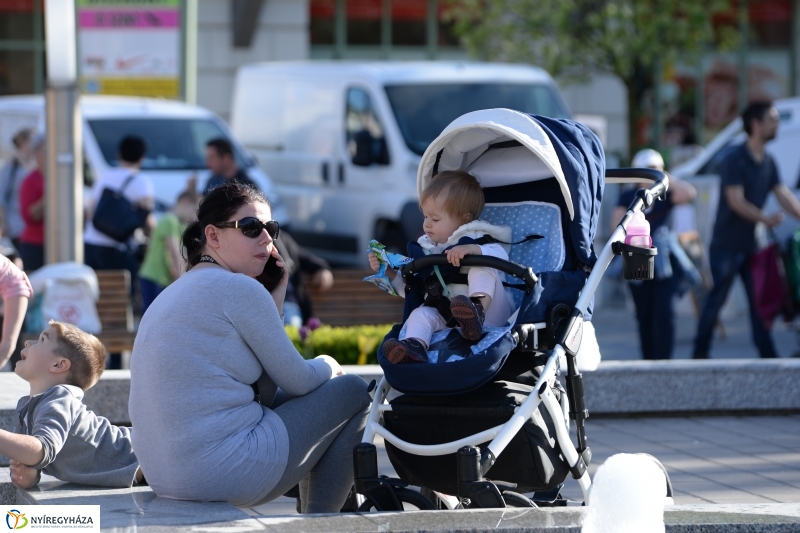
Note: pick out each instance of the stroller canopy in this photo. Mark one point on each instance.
(558, 149)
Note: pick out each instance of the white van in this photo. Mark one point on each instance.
(176, 135)
(342, 141)
(703, 169)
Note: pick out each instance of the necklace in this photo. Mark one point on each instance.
(207, 259)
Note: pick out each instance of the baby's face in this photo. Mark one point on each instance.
(438, 225)
(38, 356)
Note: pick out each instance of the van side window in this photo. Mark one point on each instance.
(365, 140)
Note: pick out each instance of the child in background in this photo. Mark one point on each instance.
(55, 432)
(163, 262)
(451, 205)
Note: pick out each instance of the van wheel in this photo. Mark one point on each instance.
(392, 236)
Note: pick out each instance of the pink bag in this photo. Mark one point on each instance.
(770, 286)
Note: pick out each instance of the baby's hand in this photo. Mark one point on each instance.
(374, 264)
(457, 253)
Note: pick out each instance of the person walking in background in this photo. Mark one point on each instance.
(163, 263)
(654, 298)
(222, 163)
(747, 175)
(11, 176)
(101, 251)
(297, 304)
(32, 204)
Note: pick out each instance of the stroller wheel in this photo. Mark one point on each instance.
(411, 500)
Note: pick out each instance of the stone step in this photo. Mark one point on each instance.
(139, 509)
(616, 388)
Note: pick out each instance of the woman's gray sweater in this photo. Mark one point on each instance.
(198, 432)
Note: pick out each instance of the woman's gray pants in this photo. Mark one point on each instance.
(323, 426)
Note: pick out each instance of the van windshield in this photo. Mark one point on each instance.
(423, 111)
(172, 144)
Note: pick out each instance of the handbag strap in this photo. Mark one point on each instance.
(126, 183)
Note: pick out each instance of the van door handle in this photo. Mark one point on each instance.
(341, 173)
(325, 177)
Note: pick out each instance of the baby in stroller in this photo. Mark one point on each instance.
(451, 205)
(491, 426)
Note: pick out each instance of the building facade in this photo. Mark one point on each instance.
(688, 105)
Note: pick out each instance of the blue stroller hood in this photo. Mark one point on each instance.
(558, 148)
(508, 152)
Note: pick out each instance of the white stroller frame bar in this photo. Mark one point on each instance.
(502, 435)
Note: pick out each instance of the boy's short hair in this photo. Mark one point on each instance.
(85, 352)
(461, 193)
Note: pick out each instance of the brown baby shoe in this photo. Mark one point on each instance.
(469, 314)
(405, 351)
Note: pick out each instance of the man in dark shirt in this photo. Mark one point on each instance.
(222, 163)
(747, 175)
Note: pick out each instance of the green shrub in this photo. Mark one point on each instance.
(341, 343)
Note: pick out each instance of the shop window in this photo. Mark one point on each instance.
(363, 22)
(322, 28)
(771, 23)
(409, 22)
(16, 72)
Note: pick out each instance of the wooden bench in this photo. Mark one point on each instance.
(353, 302)
(114, 309)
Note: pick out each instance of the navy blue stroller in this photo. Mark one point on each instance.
(488, 424)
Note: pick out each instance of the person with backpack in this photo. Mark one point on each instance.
(103, 251)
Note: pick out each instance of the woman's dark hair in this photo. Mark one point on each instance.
(218, 206)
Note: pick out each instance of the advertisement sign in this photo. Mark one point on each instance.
(130, 47)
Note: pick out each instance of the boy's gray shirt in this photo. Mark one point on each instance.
(79, 446)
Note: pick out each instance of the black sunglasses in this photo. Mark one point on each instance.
(251, 227)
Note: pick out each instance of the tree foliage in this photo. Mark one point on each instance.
(573, 38)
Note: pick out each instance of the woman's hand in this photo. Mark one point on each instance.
(336, 368)
(279, 292)
(22, 475)
(457, 253)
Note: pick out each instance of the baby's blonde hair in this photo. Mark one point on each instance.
(86, 354)
(461, 194)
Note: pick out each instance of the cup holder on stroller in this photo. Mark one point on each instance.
(637, 263)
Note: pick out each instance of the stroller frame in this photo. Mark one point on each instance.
(386, 494)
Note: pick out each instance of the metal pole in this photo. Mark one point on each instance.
(432, 29)
(743, 31)
(658, 126)
(190, 30)
(63, 175)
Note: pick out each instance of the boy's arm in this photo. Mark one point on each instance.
(52, 421)
(24, 476)
(26, 449)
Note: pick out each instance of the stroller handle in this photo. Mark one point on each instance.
(644, 197)
(660, 178)
(514, 269)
